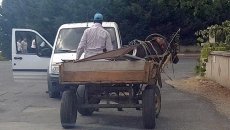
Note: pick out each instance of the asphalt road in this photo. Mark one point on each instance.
(26, 106)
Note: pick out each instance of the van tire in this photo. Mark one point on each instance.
(54, 94)
(52, 91)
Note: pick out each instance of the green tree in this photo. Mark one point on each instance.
(135, 18)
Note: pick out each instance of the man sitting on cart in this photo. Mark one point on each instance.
(95, 40)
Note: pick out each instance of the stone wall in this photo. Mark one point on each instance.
(218, 67)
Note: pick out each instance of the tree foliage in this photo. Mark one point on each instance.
(136, 18)
(221, 42)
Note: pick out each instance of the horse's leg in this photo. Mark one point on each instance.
(136, 88)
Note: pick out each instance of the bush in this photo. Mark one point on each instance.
(1, 57)
(205, 51)
(221, 33)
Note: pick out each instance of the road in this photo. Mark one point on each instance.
(26, 106)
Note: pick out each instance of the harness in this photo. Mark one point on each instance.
(147, 49)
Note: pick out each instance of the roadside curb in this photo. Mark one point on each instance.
(167, 82)
(188, 55)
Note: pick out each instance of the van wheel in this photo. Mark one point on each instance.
(54, 94)
(52, 91)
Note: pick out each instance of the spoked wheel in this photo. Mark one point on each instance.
(81, 99)
(148, 111)
(68, 111)
(157, 101)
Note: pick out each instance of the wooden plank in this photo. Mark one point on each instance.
(147, 72)
(114, 76)
(107, 72)
(104, 66)
(106, 82)
(110, 54)
(132, 58)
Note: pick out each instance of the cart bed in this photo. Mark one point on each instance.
(98, 72)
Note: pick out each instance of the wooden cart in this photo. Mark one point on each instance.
(120, 84)
(113, 83)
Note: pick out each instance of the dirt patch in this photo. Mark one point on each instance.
(217, 94)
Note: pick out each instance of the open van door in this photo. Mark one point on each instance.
(30, 55)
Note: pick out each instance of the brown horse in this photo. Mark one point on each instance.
(155, 47)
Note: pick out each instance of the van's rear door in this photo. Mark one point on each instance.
(30, 55)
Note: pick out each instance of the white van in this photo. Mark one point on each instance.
(31, 60)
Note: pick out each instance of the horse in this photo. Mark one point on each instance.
(157, 48)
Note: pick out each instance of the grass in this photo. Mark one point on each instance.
(1, 57)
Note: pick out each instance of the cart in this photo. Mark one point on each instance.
(91, 84)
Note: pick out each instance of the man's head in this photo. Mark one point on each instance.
(98, 18)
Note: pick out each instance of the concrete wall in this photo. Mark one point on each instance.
(218, 67)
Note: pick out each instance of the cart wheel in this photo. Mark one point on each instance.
(148, 111)
(81, 100)
(68, 111)
(158, 101)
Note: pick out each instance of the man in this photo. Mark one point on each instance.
(95, 39)
(19, 46)
(33, 46)
(24, 45)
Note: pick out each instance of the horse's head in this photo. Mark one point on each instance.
(164, 46)
(158, 41)
(173, 49)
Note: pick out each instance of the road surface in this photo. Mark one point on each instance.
(26, 106)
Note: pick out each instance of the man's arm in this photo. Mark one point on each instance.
(108, 43)
(19, 46)
(82, 45)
